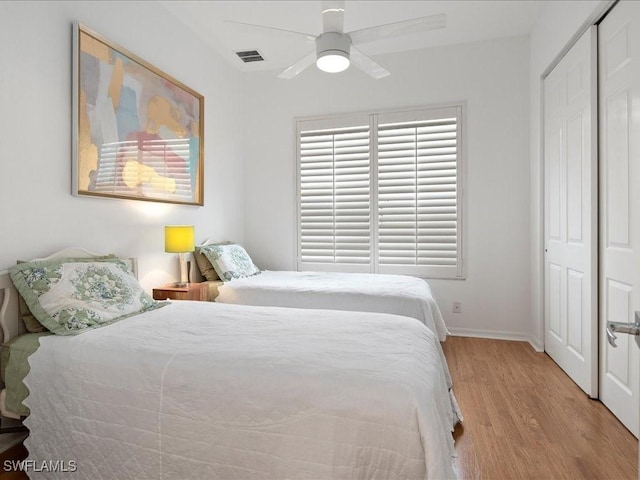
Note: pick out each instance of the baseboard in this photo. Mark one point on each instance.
(497, 335)
(536, 344)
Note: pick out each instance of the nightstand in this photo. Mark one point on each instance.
(192, 291)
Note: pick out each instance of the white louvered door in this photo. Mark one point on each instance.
(418, 185)
(570, 221)
(334, 195)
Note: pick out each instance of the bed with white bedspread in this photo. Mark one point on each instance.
(204, 390)
(244, 283)
(208, 390)
(364, 292)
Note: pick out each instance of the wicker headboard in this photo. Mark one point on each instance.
(10, 321)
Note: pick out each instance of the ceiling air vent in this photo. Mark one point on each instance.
(250, 56)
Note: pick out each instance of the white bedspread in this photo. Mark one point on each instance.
(201, 390)
(397, 294)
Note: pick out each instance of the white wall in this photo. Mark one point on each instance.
(37, 211)
(557, 24)
(502, 293)
(493, 78)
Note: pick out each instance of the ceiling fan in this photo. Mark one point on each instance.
(335, 49)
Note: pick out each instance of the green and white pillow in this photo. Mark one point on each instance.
(230, 261)
(70, 296)
(206, 269)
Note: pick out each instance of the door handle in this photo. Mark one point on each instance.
(620, 327)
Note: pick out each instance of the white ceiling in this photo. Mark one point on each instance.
(467, 21)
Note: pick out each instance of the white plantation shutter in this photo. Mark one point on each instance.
(334, 193)
(381, 193)
(418, 220)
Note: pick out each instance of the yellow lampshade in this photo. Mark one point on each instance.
(179, 238)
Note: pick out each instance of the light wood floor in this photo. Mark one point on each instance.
(524, 418)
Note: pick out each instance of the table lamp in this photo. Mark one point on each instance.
(180, 239)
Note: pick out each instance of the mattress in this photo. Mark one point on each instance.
(206, 390)
(396, 294)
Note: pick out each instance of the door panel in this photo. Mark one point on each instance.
(619, 87)
(554, 280)
(574, 180)
(617, 169)
(570, 214)
(554, 194)
(575, 309)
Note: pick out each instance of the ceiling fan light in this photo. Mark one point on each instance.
(333, 61)
(332, 50)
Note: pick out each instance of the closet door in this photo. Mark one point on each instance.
(570, 214)
(619, 85)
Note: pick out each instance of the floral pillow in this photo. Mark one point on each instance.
(30, 322)
(70, 296)
(206, 269)
(230, 261)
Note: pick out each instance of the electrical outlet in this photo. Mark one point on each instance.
(457, 307)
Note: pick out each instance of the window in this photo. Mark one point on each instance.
(380, 192)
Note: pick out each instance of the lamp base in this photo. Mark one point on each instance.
(179, 285)
(184, 272)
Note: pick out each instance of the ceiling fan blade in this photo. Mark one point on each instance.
(310, 37)
(405, 27)
(306, 61)
(367, 65)
(333, 16)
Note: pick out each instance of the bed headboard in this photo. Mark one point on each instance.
(213, 241)
(9, 317)
(10, 322)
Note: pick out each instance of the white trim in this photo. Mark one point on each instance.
(373, 181)
(497, 335)
(596, 17)
(298, 237)
(595, 220)
(380, 111)
(461, 200)
(539, 334)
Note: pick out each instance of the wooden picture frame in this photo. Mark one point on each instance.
(138, 133)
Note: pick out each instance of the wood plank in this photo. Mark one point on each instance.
(525, 418)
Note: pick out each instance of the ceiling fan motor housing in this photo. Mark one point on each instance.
(333, 43)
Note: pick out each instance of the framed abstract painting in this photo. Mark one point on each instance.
(137, 132)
